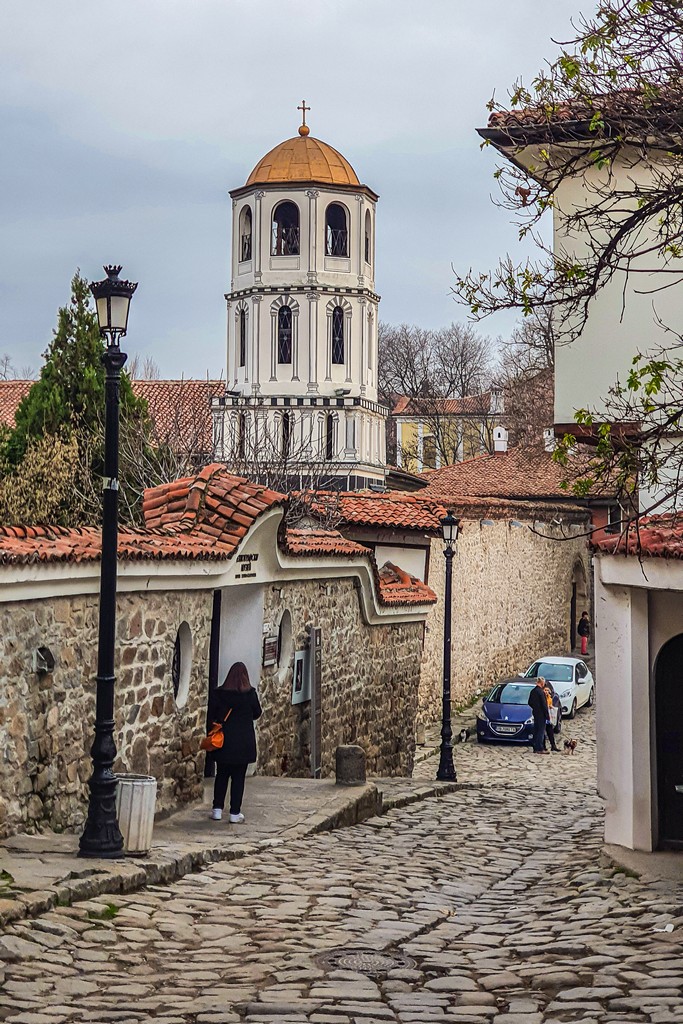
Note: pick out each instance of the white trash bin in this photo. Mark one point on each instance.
(135, 800)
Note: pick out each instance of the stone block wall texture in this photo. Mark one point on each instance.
(511, 603)
(46, 722)
(370, 680)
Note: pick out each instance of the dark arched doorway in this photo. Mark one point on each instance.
(669, 742)
(578, 602)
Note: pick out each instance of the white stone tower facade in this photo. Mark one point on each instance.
(302, 321)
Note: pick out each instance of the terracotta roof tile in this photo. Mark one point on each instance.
(400, 588)
(659, 536)
(12, 392)
(469, 405)
(321, 542)
(524, 472)
(178, 408)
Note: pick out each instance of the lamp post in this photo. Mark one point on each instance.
(450, 527)
(101, 836)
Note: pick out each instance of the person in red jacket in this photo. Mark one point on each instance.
(584, 631)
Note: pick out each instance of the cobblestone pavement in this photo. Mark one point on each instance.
(497, 893)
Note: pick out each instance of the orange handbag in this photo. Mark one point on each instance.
(215, 736)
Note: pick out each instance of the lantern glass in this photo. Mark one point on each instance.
(112, 300)
(118, 313)
(450, 527)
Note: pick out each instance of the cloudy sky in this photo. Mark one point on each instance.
(123, 126)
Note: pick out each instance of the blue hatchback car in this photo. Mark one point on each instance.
(505, 715)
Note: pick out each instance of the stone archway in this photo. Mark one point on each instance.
(669, 743)
(579, 600)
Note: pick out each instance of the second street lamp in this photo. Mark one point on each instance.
(450, 527)
(101, 835)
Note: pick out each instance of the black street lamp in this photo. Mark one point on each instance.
(101, 835)
(450, 527)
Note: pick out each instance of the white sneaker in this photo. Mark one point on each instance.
(236, 819)
(216, 814)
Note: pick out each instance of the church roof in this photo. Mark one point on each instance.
(303, 159)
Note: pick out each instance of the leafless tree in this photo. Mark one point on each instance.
(447, 363)
(143, 369)
(294, 453)
(7, 369)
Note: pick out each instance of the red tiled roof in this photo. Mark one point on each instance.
(12, 392)
(399, 587)
(27, 545)
(400, 509)
(179, 409)
(617, 108)
(200, 517)
(528, 472)
(659, 536)
(213, 503)
(321, 542)
(470, 405)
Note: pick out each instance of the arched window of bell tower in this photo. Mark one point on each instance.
(329, 437)
(245, 234)
(336, 230)
(285, 240)
(242, 344)
(338, 335)
(284, 334)
(286, 434)
(368, 237)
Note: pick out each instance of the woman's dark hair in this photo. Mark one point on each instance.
(237, 678)
(584, 613)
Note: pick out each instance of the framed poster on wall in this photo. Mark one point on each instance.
(301, 685)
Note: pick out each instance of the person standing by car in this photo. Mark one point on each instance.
(539, 708)
(584, 631)
(235, 704)
(554, 711)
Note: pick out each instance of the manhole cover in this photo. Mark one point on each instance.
(365, 961)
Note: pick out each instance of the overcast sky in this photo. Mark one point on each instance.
(124, 124)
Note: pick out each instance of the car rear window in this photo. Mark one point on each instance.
(555, 673)
(510, 693)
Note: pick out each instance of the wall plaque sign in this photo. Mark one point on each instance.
(270, 652)
(246, 567)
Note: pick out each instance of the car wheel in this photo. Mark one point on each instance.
(572, 713)
(589, 702)
(558, 727)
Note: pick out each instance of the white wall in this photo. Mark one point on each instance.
(623, 715)
(412, 560)
(586, 368)
(241, 630)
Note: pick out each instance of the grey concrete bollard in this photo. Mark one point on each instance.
(350, 765)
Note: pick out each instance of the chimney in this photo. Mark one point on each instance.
(500, 440)
(549, 442)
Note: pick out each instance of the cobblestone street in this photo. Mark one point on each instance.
(497, 894)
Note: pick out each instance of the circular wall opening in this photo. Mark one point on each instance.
(182, 664)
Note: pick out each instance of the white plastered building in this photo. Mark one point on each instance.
(302, 321)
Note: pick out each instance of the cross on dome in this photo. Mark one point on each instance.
(304, 129)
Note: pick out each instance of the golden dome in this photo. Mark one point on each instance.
(303, 159)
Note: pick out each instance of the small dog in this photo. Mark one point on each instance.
(464, 735)
(570, 746)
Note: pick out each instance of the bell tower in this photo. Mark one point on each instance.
(302, 322)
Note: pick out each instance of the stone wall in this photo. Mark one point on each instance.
(46, 722)
(370, 678)
(511, 603)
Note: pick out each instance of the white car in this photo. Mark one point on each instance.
(571, 678)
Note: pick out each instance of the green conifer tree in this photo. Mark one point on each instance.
(68, 398)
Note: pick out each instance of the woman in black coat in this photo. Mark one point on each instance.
(237, 699)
